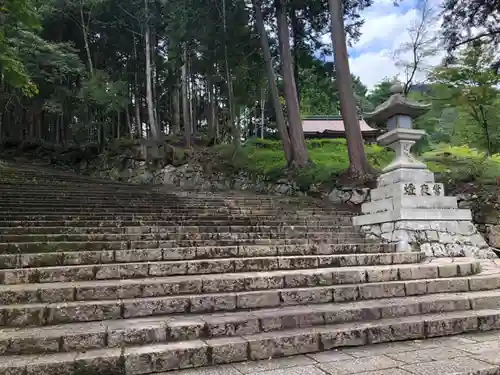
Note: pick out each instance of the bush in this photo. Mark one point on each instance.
(455, 164)
(265, 158)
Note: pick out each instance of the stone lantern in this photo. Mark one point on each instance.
(408, 207)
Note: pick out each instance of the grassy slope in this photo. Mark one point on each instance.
(452, 164)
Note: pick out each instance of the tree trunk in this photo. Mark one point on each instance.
(129, 122)
(262, 112)
(358, 166)
(232, 110)
(296, 35)
(211, 109)
(300, 153)
(176, 109)
(149, 91)
(271, 78)
(86, 42)
(185, 99)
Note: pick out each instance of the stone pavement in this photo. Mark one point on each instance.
(477, 353)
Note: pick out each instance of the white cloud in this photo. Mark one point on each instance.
(385, 29)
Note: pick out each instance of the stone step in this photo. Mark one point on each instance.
(28, 304)
(14, 219)
(110, 191)
(177, 218)
(183, 210)
(42, 247)
(141, 269)
(165, 236)
(49, 206)
(186, 230)
(173, 328)
(108, 299)
(157, 357)
(118, 223)
(71, 258)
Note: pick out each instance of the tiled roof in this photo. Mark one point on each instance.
(322, 124)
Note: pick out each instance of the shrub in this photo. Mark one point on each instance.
(456, 164)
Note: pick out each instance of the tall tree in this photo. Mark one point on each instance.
(473, 87)
(271, 78)
(300, 153)
(466, 21)
(358, 163)
(412, 56)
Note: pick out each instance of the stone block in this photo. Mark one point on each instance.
(418, 272)
(182, 330)
(95, 361)
(489, 322)
(30, 345)
(445, 286)
(121, 333)
(213, 285)
(346, 276)
(155, 306)
(381, 290)
(60, 364)
(444, 305)
(381, 274)
(228, 350)
(279, 344)
(232, 325)
(396, 331)
(405, 175)
(489, 282)
(345, 293)
(168, 269)
(302, 319)
(166, 357)
(445, 326)
(214, 302)
(305, 296)
(448, 270)
(485, 303)
(396, 310)
(251, 300)
(346, 315)
(83, 312)
(416, 287)
(83, 341)
(332, 338)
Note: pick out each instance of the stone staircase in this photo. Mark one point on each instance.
(107, 278)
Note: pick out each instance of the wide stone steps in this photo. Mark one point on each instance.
(108, 299)
(144, 297)
(164, 236)
(162, 208)
(163, 329)
(292, 218)
(121, 223)
(99, 257)
(185, 230)
(50, 274)
(158, 357)
(36, 247)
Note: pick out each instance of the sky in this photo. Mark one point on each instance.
(385, 29)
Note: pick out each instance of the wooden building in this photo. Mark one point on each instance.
(333, 127)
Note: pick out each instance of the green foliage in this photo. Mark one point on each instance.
(471, 87)
(15, 15)
(463, 164)
(381, 92)
(263, 157)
